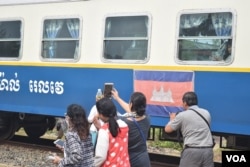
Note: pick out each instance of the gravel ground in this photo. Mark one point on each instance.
(19, 156)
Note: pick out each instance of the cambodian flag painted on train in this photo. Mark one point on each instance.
(163, 89)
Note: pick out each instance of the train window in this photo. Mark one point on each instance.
(61, 39)
(126, 39)
(205, 38)
(10, 39)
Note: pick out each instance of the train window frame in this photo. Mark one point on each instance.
(18, 39)
(142, 41)
(210, 55)
(66, 37)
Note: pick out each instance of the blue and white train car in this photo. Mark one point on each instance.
(57, 52)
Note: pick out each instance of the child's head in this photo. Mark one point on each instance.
(106, 107)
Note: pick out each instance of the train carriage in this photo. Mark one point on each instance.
(57, 52)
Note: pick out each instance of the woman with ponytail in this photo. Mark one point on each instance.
(112, 143)
(139, 123)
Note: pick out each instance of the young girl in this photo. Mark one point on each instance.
(78, 148)
(112, 143)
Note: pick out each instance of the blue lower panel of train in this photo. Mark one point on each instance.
(49, 90)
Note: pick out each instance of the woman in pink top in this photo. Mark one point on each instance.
(112, 143)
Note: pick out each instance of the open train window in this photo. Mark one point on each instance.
(61, 39)
(126, 39)
(205, 38)
(10, 39)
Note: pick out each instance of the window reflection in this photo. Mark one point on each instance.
(61, 38)
(205, 37)
(10, 39)
(126, 38)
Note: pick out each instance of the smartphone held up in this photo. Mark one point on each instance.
(108, 87)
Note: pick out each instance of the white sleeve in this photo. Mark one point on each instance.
(102, 147)
(92, 114)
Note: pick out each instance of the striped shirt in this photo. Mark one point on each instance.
(78, 153)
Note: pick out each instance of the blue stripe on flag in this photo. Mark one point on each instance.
(163, 76)
(156, 110)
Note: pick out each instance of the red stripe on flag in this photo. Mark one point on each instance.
(163, 93)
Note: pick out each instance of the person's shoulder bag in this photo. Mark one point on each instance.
(206, 123)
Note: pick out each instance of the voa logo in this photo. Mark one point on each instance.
(236, 158)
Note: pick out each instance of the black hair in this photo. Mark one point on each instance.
(190, 98)
(139, 103)
(106, 107)
(227, 53)
(78, 118)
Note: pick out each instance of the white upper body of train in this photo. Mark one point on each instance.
(132, 32)
(57, 52)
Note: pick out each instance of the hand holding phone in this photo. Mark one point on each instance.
(108, 87)
(59, 143)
